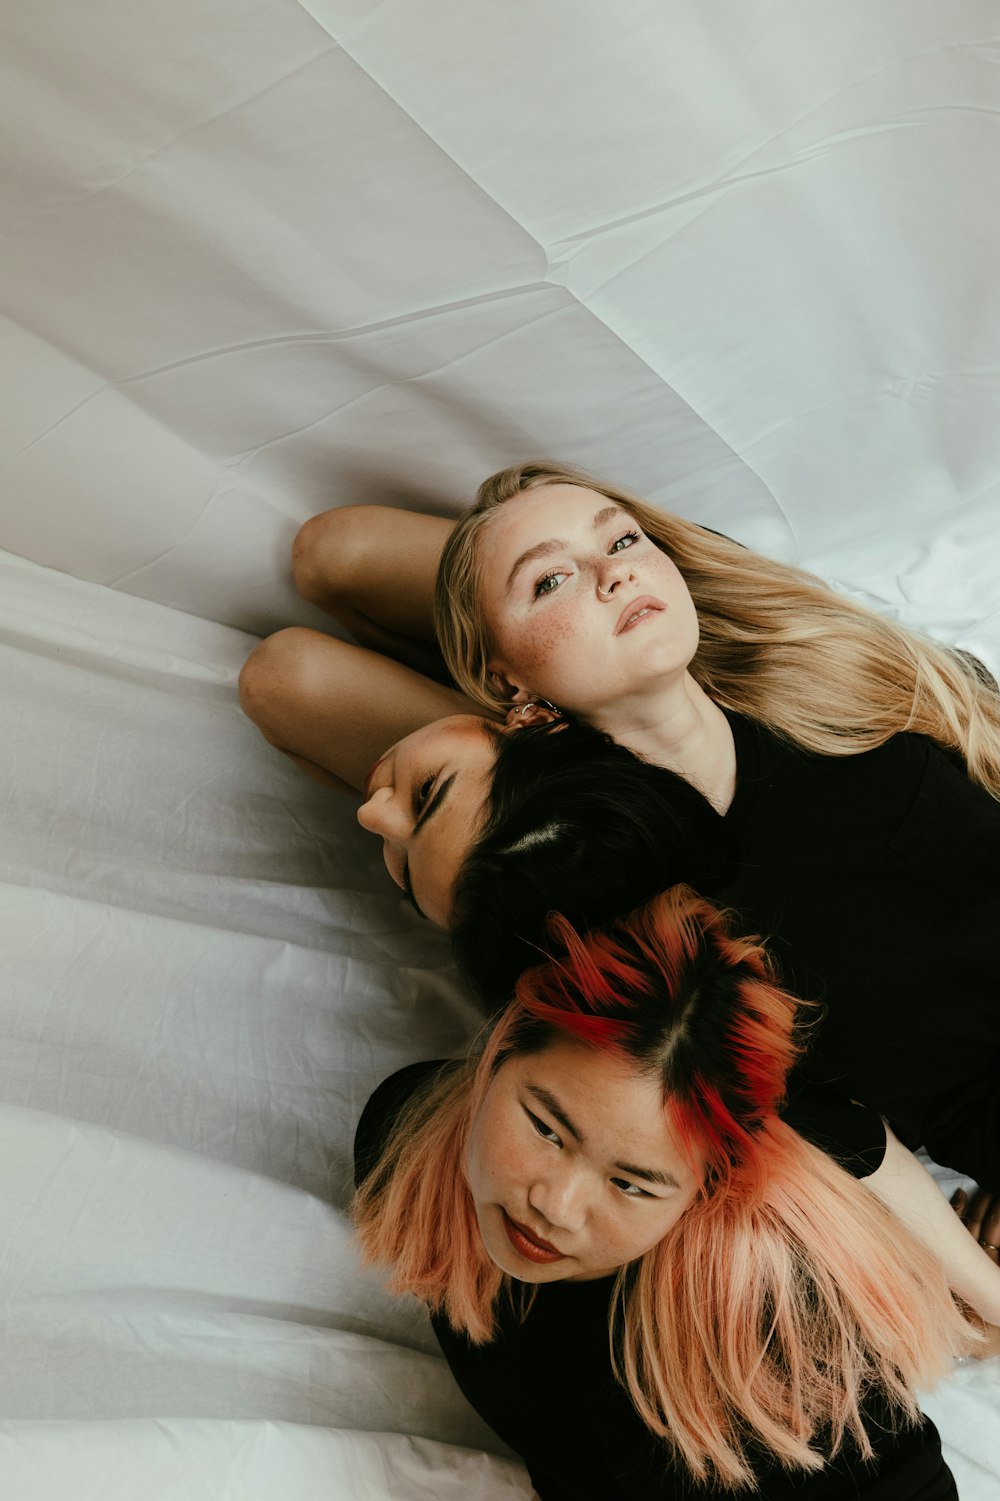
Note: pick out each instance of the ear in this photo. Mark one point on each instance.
(531, 714)
(515, 693)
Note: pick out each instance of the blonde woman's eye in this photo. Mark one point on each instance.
(628, 539)
(549, 583)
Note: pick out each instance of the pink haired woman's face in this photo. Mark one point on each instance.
(585, 610)
(573, 1166)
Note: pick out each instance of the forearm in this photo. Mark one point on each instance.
(335, 708)
(373, 569)
(907, 1188)
(373, 564)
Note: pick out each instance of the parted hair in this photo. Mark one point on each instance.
(786, 1296)
(578, 823)
(776, 643)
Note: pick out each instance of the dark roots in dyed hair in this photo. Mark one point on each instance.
(580, 826)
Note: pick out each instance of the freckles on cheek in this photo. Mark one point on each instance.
(536, 648)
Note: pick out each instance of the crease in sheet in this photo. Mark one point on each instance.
(333, 929)
(222, 351)
(76, 200)
(114, 658)
(904, 387)
(720, 185)
(758, 146)
(455, 362)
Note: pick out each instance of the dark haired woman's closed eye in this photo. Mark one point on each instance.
(423, 793)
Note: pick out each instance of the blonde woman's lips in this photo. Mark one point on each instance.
(526, 1244)
(635, 611)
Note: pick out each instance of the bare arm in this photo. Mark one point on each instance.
(373, 569)
(906, 1187)
(981, 1217)
(335, 708)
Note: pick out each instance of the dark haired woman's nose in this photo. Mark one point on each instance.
(383, 814)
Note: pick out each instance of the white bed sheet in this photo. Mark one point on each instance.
(195, 1009)
(260, 257)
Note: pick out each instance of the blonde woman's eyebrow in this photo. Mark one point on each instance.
(557, 544)
(540, 550)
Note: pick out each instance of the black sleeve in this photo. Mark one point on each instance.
(850, 1133)
(380, 1113)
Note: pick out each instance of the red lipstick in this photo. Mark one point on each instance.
(630, 617)
(528, 1245)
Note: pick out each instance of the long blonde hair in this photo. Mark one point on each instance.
(776, 643)
(782, 1299)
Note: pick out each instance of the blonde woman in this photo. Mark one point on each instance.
(543, 543)
(803, 742)
(638, 1273)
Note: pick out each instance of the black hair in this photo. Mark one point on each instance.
(578, 825)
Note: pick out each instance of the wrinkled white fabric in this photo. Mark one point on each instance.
(261, 257)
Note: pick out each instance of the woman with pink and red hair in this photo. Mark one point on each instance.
(645, 1280)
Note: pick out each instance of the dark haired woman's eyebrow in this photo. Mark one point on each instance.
(426, 813)
(408, 891)
(552, 1105)
(441, 792)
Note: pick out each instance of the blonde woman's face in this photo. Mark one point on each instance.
(426, 798)
(572, 1164)
(585, 610)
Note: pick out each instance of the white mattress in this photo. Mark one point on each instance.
(260, 258)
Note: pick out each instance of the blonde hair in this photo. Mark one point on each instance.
(783, 1298)
(776, 643)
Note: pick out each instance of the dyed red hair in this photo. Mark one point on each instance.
(836, 1300)
(674, 989)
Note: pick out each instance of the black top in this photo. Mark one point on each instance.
(545, 1386)
(875, 880)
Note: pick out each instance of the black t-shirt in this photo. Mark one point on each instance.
(875, 880)
(544, 1384)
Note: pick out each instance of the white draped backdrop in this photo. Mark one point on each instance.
(260, 258)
